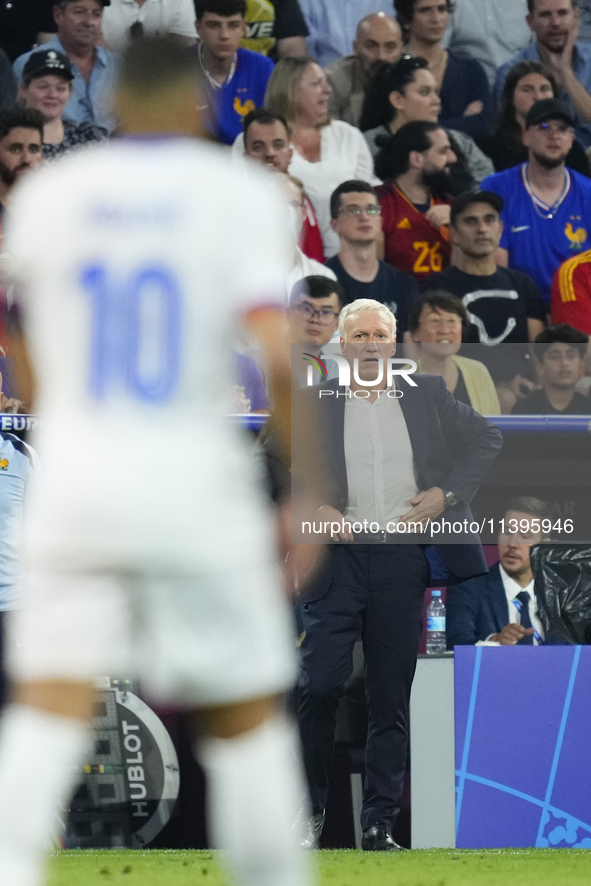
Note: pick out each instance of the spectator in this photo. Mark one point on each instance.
(333, 25)
(24, 25)
(503, 305)
(415, 206)
(266, 141)
(546, 204)
(436, 321)
(276, 28)
(326, 152)
(491, 31)
(560, 354)
(527, 82)
(379, 39)
(302, 265)
(78, 36)
(315, 303)
(501, 607)
(570, 300)
(46, 87)
(249, 392)
(21, 137)
(7, 84)
(405, 92)
(356, 217)
(237, 77)
(461, 82)
(125, 21)
(555, 24)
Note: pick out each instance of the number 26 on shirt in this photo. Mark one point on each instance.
(429, 259)
(136, 324)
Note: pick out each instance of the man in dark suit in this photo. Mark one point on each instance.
(393, 455)
(501, 607)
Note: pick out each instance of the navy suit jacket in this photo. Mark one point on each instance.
(453, 447)
(476, 609)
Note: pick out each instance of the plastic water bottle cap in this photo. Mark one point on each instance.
(436, 593)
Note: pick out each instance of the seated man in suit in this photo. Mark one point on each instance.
(501, 607)
(394, 455)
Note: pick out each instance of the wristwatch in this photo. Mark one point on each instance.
(450, 498)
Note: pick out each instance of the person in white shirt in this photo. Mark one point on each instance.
(151, 549)
(325, 152)
(501, 607)
(302, 266)
(128, 20)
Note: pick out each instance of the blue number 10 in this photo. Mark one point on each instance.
(119, 332)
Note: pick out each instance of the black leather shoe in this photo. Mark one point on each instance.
(312, 831)
(378, 838)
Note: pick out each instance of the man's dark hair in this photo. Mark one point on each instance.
(405, 10)
(527, 504)
(531, 5)
(224, 8)
(562, 333)
(436, 299)
(157, 62)
(20, 118)
(265, 118)
(353, 186)
(317, 286)
(389, 77)
(469, 198)
(393, 159)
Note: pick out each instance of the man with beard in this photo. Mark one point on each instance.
(21, 137)
(79, 36)
(546, 204)
(414, 198)
(501, 607)
(379, 39)
(555, 26)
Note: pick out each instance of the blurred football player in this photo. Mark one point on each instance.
(151, 549)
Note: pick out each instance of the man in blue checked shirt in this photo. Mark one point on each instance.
(555, 25)
(78, 34)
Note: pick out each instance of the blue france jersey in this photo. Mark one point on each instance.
(244, 92)
(538, 244)
(17, 465)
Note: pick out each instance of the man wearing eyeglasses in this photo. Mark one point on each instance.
(313, 316)
(357, 219)
(546, 211)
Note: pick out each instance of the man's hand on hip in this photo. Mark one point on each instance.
(427, 506)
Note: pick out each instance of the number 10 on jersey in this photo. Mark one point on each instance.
(135, 332)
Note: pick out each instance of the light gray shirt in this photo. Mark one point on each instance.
(491, 31)
(379, 460)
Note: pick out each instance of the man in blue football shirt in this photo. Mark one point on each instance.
(546, 205)
(237, 78)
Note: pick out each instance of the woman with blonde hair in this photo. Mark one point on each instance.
(325, 152)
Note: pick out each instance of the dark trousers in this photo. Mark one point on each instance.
(376, 591)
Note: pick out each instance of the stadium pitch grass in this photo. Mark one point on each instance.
(441, 867)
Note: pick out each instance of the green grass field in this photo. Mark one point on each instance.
(503, 867)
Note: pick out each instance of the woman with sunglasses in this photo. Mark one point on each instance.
(527, 82)
(405, 92)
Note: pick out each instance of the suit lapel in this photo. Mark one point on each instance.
(498, 598)
(414, 411)
(333, 415)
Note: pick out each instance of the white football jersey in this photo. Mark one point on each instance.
(137, 261)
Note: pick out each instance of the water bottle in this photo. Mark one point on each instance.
(436, 643)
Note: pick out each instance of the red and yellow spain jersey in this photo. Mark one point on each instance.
(571, 292)
(412, 244)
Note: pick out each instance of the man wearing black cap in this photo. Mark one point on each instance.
(546, 205)
(503, 304)
(94, 68)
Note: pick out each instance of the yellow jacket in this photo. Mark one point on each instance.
(479, 384)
